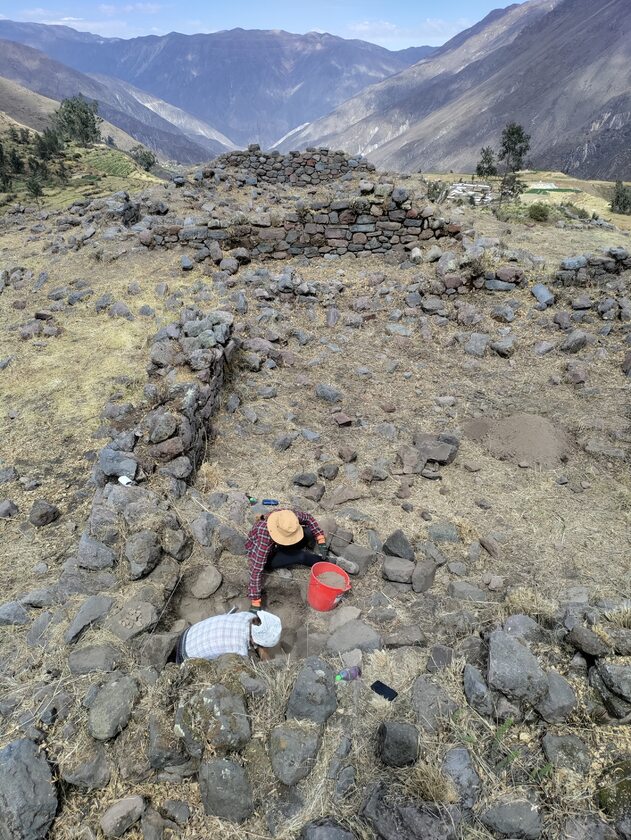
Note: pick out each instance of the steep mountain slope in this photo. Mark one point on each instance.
(562, 69)
(36, 71)
(31, 110)
(197, 130)
(386, 111)
(253, 85)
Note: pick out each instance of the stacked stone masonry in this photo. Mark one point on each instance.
(593, 268)
(372, 224)
(313, 166)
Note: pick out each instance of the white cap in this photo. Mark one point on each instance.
(267, 633)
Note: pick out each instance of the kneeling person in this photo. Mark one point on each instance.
(233, 633)
(281, 539)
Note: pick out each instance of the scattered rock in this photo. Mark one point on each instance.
(567, 751)
(514, 819)
(397, 570)
(398, 545)
(458, 766)
(293, 750)
(397, 743)
(431, 704)
(513, 669)
(559, 701)
(112, 707)
(43, 513)
(313, 696)
(28, 797)
(13, 613)
(120, 816)
(206, 583)
(354, 635)
(225, 790)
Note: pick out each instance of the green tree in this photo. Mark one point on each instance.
(34, 187)
(48, 144)
(76, 120)
(486, 167)
(514, 147)
(25, 136)
(62, 172)
(16, 164)
(143, 157)
(13, 134)
(38, 167)
(621, 199)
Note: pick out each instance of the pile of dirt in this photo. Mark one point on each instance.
(527, 439)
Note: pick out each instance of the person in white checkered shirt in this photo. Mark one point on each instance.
(233, 633)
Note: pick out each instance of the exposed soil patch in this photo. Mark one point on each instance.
(527, 439)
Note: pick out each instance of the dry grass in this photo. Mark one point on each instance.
(552, 537)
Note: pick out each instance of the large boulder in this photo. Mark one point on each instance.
(293, 750)
(518, 819)
(28, 799)
(225, 790)
(514, 670)
(397, 743)
(112, 707)
(213, 715)
(393, 818)
(313, 696)
(354, 635)
(431, 704)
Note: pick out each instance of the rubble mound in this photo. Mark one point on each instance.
(527, 439)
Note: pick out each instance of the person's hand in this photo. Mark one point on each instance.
(255, 605)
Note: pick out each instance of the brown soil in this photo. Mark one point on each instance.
(333, 580)
(526, 439)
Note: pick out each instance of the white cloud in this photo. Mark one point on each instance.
(431, 31)
(111, 9)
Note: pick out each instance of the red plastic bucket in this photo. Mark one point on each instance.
(320, 596)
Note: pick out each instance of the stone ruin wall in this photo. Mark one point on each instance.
(384, 221)
(308, 168)
(158, 447)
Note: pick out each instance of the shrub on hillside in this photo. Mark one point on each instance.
(76, 120)
(621, 199)
(539, 212)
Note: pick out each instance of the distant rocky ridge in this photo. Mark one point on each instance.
(35, 71)
(562, 68)
(250, 85)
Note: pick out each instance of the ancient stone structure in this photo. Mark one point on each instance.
(375, 223)
(593, 268)
(313, 166)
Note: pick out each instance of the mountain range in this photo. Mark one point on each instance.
(561, 68)
(246, 85)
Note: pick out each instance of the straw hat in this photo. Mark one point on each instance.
(284, 528)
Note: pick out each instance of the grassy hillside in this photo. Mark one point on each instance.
(591, 196)
(91, 173)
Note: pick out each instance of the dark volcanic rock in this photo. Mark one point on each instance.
(393, 818)
(313, 696)
(397, 743)
(28, 798)
(225, 790)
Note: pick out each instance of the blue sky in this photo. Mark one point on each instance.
(395, 24)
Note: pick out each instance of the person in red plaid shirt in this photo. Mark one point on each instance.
(280, 539)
